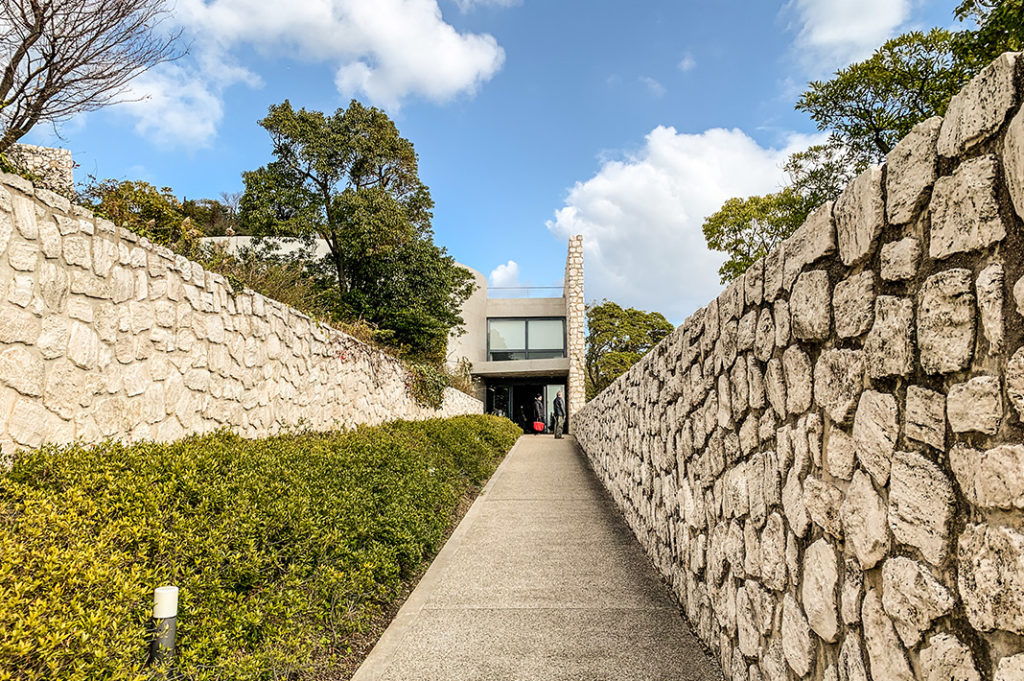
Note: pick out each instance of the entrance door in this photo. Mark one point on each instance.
(550, 391)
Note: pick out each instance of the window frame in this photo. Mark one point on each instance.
(526, 333)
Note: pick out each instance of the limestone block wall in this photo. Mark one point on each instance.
(104, 335)
(827, 462)
(575, 315)
(54, 167)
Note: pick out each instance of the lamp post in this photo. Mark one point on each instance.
(165, 621)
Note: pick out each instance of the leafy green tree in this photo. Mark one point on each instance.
(821, 172)
(155, 213)
(999, 28)
(871, 105)
(748, 229)
(353, 181)
(616, 339)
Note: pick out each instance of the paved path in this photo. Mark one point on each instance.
(541, 580)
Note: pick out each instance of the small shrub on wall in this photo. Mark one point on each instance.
(283, 548)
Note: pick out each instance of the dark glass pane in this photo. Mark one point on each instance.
(546, 354)
(506, 355)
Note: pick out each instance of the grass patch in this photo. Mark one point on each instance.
(285, 549)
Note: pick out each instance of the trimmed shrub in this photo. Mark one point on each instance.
(283, 548)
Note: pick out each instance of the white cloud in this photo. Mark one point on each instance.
(382, 50)
(687, 63)
(505, 275)
(467, 5)
(653, 86)
(844, 31)
(641, 218)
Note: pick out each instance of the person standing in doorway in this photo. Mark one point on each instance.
(558, 414)
(538, 414)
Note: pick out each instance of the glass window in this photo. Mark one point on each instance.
(546, 334)
(507, 334)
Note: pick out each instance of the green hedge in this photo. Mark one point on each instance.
(283, 548)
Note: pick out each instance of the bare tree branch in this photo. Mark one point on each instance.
(59, 58)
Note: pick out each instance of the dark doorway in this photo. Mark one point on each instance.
(513, 398)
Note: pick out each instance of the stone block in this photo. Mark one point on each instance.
(965, 209)
(912, 168)
(875, 431)
(6, 230)
(991, 577)
(989, 287)
(865, 519)
(812, 241)
(1010, 668)
(22, 370)
(1013, 163)
(1015, 381)
(83, 346)
(990, 479)
(773, 274)
(860, 215)
(840, 454)
(764, 336)
(976, 405)
(775, 385)
(976, 112)
(773, 553)
(799, 381)
(823, 502)
(810, 305)
(947, 658)
(889, 345)
(49, 238)
(838, 381)
(796, 637)
(886, 655)
(793, 504)
(853, 302)
(818, 589)
(912, 597)
(921, 504)
(946, 322)
(900, 259)
(753, 283)
(851, 658)
(851, 592)
(782, 323)
(925, 417)
(78, 251)
(23, 256)
(745, 331)
(18, 326)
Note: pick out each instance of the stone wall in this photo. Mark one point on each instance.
(53, 167)
(105, 335)
(826, 462)
(575, 319)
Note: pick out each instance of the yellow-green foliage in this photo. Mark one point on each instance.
(282, 547)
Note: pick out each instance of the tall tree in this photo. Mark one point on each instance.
(616, 339)
(999, 28)
(350, 179)
(748, 229)
(64, 57)
(871, 105)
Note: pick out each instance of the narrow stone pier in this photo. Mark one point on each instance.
(541, 580)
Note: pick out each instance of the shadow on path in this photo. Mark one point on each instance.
(541, 580)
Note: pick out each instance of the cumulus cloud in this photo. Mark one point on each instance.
(641, 217)
(467, 5)
(382, 50)
(653, 86)
(505, 275)
(843, 31)
(687, 63)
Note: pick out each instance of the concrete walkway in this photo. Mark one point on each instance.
(541, 580)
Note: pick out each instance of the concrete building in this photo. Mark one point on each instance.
(517, 348)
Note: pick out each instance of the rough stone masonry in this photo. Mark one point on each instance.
(105, 335)
(827, 462)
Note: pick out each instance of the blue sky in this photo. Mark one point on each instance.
(533, 119)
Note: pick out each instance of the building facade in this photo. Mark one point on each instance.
(518, 348)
